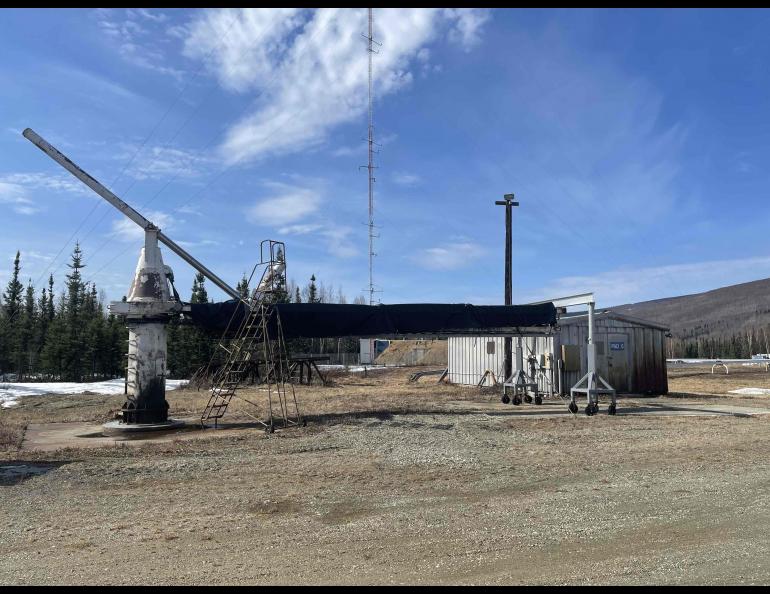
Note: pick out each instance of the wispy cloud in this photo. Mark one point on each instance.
(629, 285)
(597, 147)
(299, 229)
(269, 50)
(15, 196)
(338, 241)
(164, 162)
(126, 230)
(201, 243)
(287, 205)
(17, 189)
(133, 34)
(59, 182)
(406, 179)
(449, 256)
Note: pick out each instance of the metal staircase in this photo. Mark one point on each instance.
(255, 340)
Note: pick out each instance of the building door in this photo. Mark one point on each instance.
(617, 361)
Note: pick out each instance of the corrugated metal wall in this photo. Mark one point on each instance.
(643, 346)
(468, 359)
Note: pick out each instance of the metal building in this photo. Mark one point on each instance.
(630, 353)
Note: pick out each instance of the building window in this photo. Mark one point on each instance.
(490, 347)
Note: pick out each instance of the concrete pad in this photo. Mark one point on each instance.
(120, 428)
(48, 437)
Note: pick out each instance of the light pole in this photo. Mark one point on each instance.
(509, 202)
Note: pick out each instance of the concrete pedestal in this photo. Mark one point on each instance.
(121, 428)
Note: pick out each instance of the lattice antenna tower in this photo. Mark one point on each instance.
(371, 167)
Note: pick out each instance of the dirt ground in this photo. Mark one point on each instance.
(398, 483)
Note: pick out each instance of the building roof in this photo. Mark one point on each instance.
(582, 316)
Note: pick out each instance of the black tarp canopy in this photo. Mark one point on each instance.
(329, 320)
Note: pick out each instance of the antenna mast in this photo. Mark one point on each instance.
(370, 166)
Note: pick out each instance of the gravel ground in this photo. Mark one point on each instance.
(396, 484)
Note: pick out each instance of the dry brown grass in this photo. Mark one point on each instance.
(469, 493)
(698, 380)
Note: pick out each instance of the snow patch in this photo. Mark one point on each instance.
(752, 391)
(11, 392)
(354, 369)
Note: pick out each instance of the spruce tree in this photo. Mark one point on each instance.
(27, 350)
(243, 287)
(10, 345)
(312, 291)
(74, 318)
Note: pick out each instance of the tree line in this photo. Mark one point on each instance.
(65, 337)
(739, 345)
(67, 334)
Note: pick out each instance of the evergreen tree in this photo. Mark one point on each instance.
(74, 312)
(243, 287)
(10, 343)
(280, 292)
(312, 291)
(55, 349)
(199, 294)
(51, 306)
(27, 350)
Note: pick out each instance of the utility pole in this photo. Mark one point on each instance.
(509, 202)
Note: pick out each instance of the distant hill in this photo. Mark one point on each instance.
(719, 313)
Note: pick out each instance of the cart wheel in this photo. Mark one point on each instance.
(505, 399)
(611, 409)
(538, 399)
(528, 399)
(589, 410)
(516, 400)
(573, 407)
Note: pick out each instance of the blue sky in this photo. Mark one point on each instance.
(634, 140)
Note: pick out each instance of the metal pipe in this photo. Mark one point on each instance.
(84, 177)
(132, 214)
(165, 240)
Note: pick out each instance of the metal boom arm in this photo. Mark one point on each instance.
(110, 197)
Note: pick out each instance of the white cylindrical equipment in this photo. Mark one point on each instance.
(151, 304)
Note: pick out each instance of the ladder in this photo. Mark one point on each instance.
(255, 339)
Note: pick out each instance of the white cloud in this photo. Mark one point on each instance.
(289, 205)
(449, 256)
(198, 244)
(336, 237)
(126, 230)
(152, 14)
(133, 34)
(12, 193)
(309, 67)
(299, 229)
(629, 285)
(338, 241)
(164, 162)
(349, 151)
(467, 27)
(23, 190)
(60, 182)
(406, 179)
